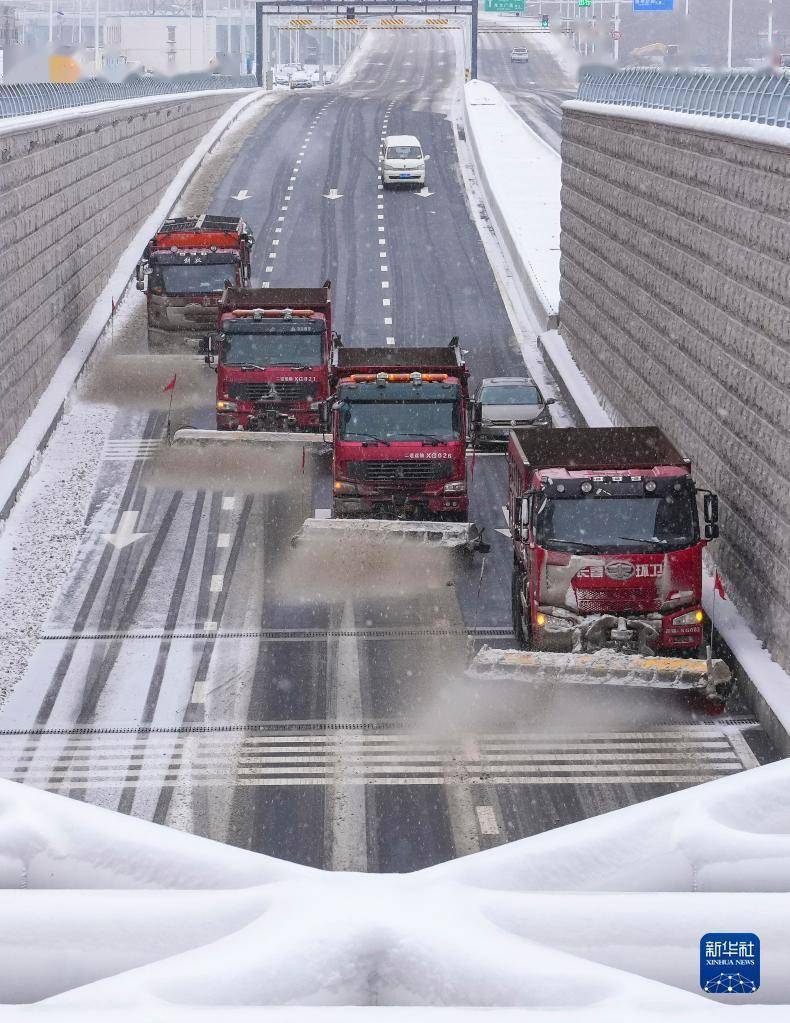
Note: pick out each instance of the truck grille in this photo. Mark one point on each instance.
(615, 601)
(394, 471)
(299, 390)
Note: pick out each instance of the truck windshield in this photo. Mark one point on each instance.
(404, 153)
(618, 523)
(400, 420)
(276, 347)
(196, 279)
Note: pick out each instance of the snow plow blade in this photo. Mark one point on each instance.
(459, 536)
(605, 667)
(207, 437)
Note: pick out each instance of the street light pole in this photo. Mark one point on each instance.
(617, 32)
(96, 61)
(729, 37)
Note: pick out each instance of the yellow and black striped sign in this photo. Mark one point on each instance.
(385, 25)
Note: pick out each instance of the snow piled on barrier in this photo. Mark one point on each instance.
(598, 921)
(521, 177)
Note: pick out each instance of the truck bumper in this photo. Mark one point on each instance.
(302, 421)
(556, 633)
(397, 506)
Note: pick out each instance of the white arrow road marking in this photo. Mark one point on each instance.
(424, 192)
(333, 194)
(125, 533)
(243, 194)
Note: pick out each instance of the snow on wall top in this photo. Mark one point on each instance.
(600, 920)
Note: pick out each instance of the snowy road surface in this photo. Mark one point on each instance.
(199, 672)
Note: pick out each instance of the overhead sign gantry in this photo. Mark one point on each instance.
(367, 8)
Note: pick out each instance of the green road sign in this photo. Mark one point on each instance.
(585, 3)
(504, 6)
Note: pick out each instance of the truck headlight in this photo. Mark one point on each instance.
(458, 487)
(691, 618)
(341, 487)
(227, 406)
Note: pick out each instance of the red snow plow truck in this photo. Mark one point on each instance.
(272, 347)
(399, 450)
(185, 268)
(607, 568)
(399, 433)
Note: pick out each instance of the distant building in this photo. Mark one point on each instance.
(9, 26)
(167, 43)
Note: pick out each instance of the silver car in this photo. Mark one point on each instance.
(502, 404)
(519, 55)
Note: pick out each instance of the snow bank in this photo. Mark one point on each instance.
(519, 929)
(521, 177)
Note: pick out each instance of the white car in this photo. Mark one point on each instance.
(301, 80)
(403, 162)
(519, 55)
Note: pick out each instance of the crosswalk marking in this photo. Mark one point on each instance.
(679, 756)
(131, 449)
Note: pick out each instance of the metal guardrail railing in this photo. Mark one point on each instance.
(762, 97)
(37, 97)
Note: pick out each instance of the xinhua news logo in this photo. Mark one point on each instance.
(729, 964)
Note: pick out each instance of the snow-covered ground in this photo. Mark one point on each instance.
(521, 175)
(598, 921)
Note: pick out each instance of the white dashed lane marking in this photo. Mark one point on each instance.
(486, 818)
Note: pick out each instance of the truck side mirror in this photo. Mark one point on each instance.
(710, 505)
(140, 273)
(477, 413)
(711, 531)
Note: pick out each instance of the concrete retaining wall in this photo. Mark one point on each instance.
(675, 301)
(72, 193)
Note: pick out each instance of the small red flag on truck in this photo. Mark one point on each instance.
(171, 386)
(718, 586)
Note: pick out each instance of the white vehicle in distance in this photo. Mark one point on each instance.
(301, 80)
(519, 55)
(403, 162)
